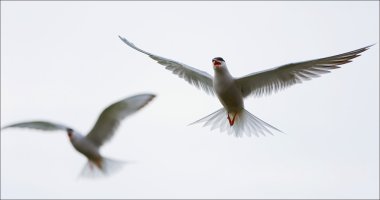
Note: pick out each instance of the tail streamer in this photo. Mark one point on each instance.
(244, 123)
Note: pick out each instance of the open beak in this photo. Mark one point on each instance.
(216, 63)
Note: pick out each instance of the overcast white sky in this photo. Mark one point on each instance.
(63, 61)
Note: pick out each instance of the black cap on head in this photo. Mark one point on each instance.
(218, 59)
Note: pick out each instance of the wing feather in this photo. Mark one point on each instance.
(39, 125)
(110, 119)
(269, 81)
(200, 79)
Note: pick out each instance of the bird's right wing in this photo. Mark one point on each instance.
(110, 119)
(196, 77)
(39, 125)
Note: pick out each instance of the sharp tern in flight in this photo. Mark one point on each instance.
(231, 91)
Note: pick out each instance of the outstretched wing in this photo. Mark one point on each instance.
(110, 119)
(272, 80)
(196, 77)
(39, 125)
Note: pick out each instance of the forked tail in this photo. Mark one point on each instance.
(244, 123)
(102, 168)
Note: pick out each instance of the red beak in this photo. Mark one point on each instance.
(216, 63)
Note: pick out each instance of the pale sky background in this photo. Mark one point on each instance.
(63, 62)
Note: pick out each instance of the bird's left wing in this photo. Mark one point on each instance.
(39, 125)
(196, 77)
(109, 120)
(273, 80)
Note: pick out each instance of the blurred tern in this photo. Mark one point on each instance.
(103, 130)
(231, 91)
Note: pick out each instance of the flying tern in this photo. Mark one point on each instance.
(231, 91)
(103, 130)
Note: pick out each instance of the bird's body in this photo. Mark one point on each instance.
(227, 91)
(231, 91)
(87, 148)
(89, 145)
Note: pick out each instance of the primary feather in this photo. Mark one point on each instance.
(109, 120)
(39, 125)
(198, 78)
(269, 81)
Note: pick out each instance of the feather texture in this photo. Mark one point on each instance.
(200, 79)
(246, 123)
(269, 81)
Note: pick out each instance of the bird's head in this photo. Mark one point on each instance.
(71, 134)
(218, 63)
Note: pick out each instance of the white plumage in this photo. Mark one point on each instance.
(231, 91)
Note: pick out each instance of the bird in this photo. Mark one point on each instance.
(231, 91)
(104, 129)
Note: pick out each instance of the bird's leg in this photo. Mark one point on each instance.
(229, 119)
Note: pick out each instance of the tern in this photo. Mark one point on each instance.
(231, 91)
(103, 130)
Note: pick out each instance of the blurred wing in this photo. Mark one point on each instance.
(109, 120)
(196, 77)
(273, 80)
(40, 125)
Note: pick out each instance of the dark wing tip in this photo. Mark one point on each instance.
(146, 94)
(149, 97)
(367, 47)
(11, 126)
(126, 41)
(361, 50)
(123, 39)
(152, 96)
(370, 45)
(5, 127)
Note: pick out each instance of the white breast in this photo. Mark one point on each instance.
(227, 92)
